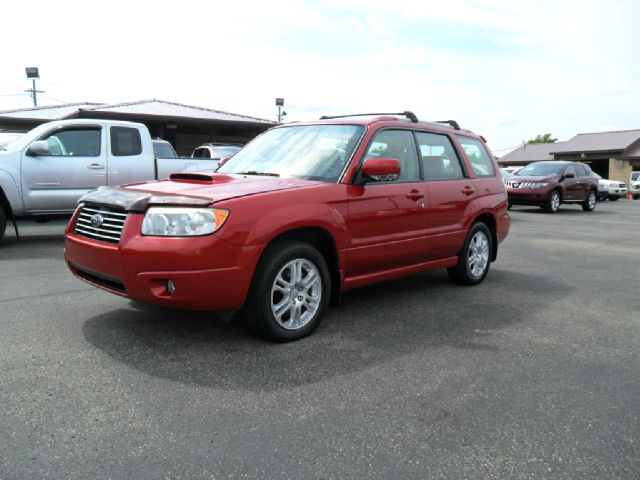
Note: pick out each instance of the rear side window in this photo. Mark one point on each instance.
(125, 141)
(399, 145)
(74, 142)
(439, 158)
(478, 156)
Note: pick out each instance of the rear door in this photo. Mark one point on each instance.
(450, 191)
(76, 163)
(583, 182)
(388, 220)
(131, 157)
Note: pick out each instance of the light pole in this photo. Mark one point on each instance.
(33, 75)
(280, 105)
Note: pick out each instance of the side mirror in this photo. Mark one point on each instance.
(381, 169)
(41, 147)
(569, 175)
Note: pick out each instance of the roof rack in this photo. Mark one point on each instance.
(410, 115)
(451, 123)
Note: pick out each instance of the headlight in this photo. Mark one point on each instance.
(533, 185)
(182, 222)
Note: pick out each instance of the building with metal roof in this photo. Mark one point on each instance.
(613, 155)
(185, 126)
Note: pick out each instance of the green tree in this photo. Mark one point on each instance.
(545, 138)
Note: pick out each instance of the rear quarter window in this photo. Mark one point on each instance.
(479, 159)
(125, 141)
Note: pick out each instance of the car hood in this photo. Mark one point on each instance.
(191, 189)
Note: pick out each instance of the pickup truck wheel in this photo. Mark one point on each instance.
(590, 202)
(553, 203)
(290, 292)
(3, 223)
(475, 258)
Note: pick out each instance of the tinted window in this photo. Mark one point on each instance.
(478, 157)
(74, 142)
(201, 152)
(125, 141)
(400, 145)
(439, 158)
(581, 171)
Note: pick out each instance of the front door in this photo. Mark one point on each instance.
(388, 220)
(76, 163)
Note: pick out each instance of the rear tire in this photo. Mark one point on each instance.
(290, 291)
(553, 202)
(590, 202)
(3, 223)
(475, 257)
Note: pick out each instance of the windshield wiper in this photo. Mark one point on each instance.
(254, 172)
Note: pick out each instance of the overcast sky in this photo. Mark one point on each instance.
(506, 69)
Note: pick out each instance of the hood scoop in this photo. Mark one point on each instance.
(193, 177)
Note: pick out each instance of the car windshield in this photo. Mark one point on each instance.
(540, 170)
(312, 152)
(635, 176)
(222, 152)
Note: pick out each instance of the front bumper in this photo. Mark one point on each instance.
(207, 272)
(528, 196)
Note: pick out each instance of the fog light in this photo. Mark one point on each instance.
(171, 288)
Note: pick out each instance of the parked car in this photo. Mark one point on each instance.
(216, 151)
(302, 213)
(550, 184)
(163, 149)
(44, 172)
(610, 189)
(634, 185)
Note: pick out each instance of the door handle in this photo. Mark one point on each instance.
(467, 190)
(415, 195)
(95, 166)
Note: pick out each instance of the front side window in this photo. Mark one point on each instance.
(312, 152)
(478, 156)
(125, 141)
(571, 169)
(399, 145)
(439, 159)
(74, 142)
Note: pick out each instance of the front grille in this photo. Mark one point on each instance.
(101, 223)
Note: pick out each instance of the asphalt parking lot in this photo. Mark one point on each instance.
(533, 374)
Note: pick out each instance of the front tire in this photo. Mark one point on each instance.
(290, 291)
(590, 202)
(475, 258)
(553, 202)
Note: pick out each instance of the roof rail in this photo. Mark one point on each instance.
(451, 123)
(410, 115)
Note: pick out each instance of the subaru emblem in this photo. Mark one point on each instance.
(97, 220)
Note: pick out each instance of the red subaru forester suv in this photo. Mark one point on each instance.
(301, 214)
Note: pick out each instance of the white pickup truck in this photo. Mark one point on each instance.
(44, 172)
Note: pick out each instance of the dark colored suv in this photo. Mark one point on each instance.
(549, 184)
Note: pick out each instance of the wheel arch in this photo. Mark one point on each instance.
(322, 240)
(490, 221)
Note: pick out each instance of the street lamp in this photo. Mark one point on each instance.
(281, 113)
(33, 75)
